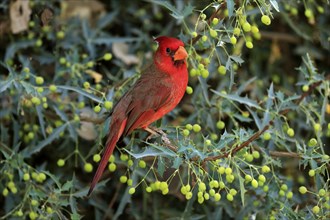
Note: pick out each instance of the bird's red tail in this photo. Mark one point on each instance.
(110, 146)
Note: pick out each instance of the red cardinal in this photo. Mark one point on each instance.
(160, 88)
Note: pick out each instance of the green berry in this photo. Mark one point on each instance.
(34, 202)
(131, 190)
(193, 72)
(90, 64)
(256, 154)
(248, 178)
(33, 215)
(249, 44)
(129, 182)
(189, 90)
(230, 197)
(221, 125)
(233, 192)
(316, 209)
(203, 16)
(228, 171)
(60, 162)
(265, 169)
(142, 164)
(60, 34)
(5, 192)
(26, 177)
(112, 159)
(96, 158)
(265, 188)
(97, 109)
(217, 197)
(205, 73)
(204, 38)
(221, 170)
(222, 70)
(108, 105)
(86, 85)
(88, 167)
(267, 136)
(39, 80)
(148, 189)
(189, 195)
(189, 126)
(213, 33)
(290, 132)
(194, 34)
(311, 173)
(123, 179)
(284, 187)
(201, 187)
(254, 29)
(246, 27)
(265, 20)
(233, 40)
(317, 127)
(197, 128)
(248, 157)
(305, 88)
(322, 192)
(107, 56)
(112, 167)
(254, 183)
(52, 88)
(185, 132)
(215, 21)
(36, 100)
(237, 31)
(281, 193)
(308, 13)
(312, 142)
(262, 178)
(38, 43)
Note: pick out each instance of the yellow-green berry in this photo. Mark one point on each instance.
(265, 169)
(290, 132)
(107, 56)
(213, 33)
(322, 192)
(87, 85)
(52, 88)
(267, 136)
(96, 158)
(305, 88)
(112, 167)
(197, 128)
(311, 173)
(222, 70)
(308, 13)
(312, 142)
(215, 21)
(194, 34)
(142, 164)
(246, 27)
(97, 109)
(26, 177)
(60, 34)
(123, 179)
(265, 19)
(60, 162)
(108, 105)
(254, 183)
(249, 44)
(185, 132)
(131, 190)
(39, 80)
(189, 90)
(189, 126)
(316, 209)
(236, 31)
(317, 127)
(204, 38)
(233, 40)
(88, 167)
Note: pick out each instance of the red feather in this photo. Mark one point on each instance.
(159, 89)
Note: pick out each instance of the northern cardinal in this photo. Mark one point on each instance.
(159, 89)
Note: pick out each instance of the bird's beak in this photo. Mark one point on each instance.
(180, 54)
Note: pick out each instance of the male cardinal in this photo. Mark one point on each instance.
(159, 89)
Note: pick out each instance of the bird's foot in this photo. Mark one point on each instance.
(158, 132)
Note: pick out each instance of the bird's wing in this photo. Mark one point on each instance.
(148, 97)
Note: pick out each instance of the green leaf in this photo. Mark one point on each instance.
(241, 187)
(27, 152)
(41, 120)
(275, 5)
(177, 163)
(82, 92)
(66, 186)
(29, 89)
(161, 166)
(176, 13)
(230, 7)
(242, 100)
(4, 85)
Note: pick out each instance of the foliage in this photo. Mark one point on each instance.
(250, 139)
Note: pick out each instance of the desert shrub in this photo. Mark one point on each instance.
(250, 139)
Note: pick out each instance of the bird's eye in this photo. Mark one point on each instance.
(168, 50)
